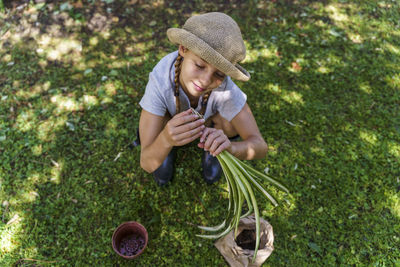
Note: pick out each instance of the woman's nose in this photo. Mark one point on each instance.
(206, 79)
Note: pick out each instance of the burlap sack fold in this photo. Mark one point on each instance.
(239, 257)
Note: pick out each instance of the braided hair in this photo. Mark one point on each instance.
(178, 65)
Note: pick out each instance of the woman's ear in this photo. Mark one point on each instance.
(182, 50)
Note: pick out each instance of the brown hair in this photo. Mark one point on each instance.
(178, 64)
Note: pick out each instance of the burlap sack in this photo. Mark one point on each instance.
(239, 257)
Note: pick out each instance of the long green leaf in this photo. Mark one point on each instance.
(226, 231)
(252, 180)
(232, 185)
(226, 161)
(213, 228)
(256, 173)
(254, 202)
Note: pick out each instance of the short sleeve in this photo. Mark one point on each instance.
(153, 100)
(231, 101)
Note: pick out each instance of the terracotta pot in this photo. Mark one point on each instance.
(129, 240)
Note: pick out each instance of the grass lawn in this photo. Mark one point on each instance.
(325, 91)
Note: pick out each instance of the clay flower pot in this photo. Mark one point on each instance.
(129, 240)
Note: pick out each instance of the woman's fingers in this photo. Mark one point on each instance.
(183, 128)
(183, 118)
(206, 132)
(189, 139)
(190, 126)
(214, 141)
(211, 136)
(221, 148)
(191, 134)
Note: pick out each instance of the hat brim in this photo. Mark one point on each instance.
(207, 53)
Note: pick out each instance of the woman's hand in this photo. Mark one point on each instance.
(214, 140)
(183, 128)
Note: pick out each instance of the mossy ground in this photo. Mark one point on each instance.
(325, 91)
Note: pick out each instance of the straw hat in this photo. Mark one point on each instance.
(216, 38)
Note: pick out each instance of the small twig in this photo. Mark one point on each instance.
(188, 223)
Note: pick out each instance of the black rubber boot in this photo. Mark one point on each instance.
(136, 142)
(165, 172)
(212, 170)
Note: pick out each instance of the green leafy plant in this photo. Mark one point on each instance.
(242, 182)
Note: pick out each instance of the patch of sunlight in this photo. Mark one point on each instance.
(91, 63)
(293, 41)
(65, 103)
(272, 150)
(37, 150)
(116, 64)
(143, 46)
(111, 127)
(34, 90)
(335, 13)
(94, 41)
(9, 234)
(355, 37)
(320, 23)
(394, 149)
(317, 150)
(55, 173)
(26, 120)
(28, 197)
(366, 88)
(110, 88)
(254, 54)
(105, 34)
(392, 48)
(137, 60)
(55, 48)
(293, 97)
(395, 204)
(106, 100)
(324, 69)
(46, 129)
(368, 137)
(394, 80)
(90, 101)
(273, 88)
(6, 58)
(274, 108)
(34, 178)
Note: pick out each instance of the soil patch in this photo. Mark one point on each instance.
(131, 245)
(247, 239)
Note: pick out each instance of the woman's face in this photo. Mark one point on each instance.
(197, 76)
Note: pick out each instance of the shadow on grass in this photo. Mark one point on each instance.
(325, 100)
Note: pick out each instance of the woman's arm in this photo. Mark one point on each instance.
(253, 145)
(159, 134)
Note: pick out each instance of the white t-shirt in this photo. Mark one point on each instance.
(227, 99)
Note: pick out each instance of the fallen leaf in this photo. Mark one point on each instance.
(14, 219)
(296, 66)
(78, 4)
(54, 163)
